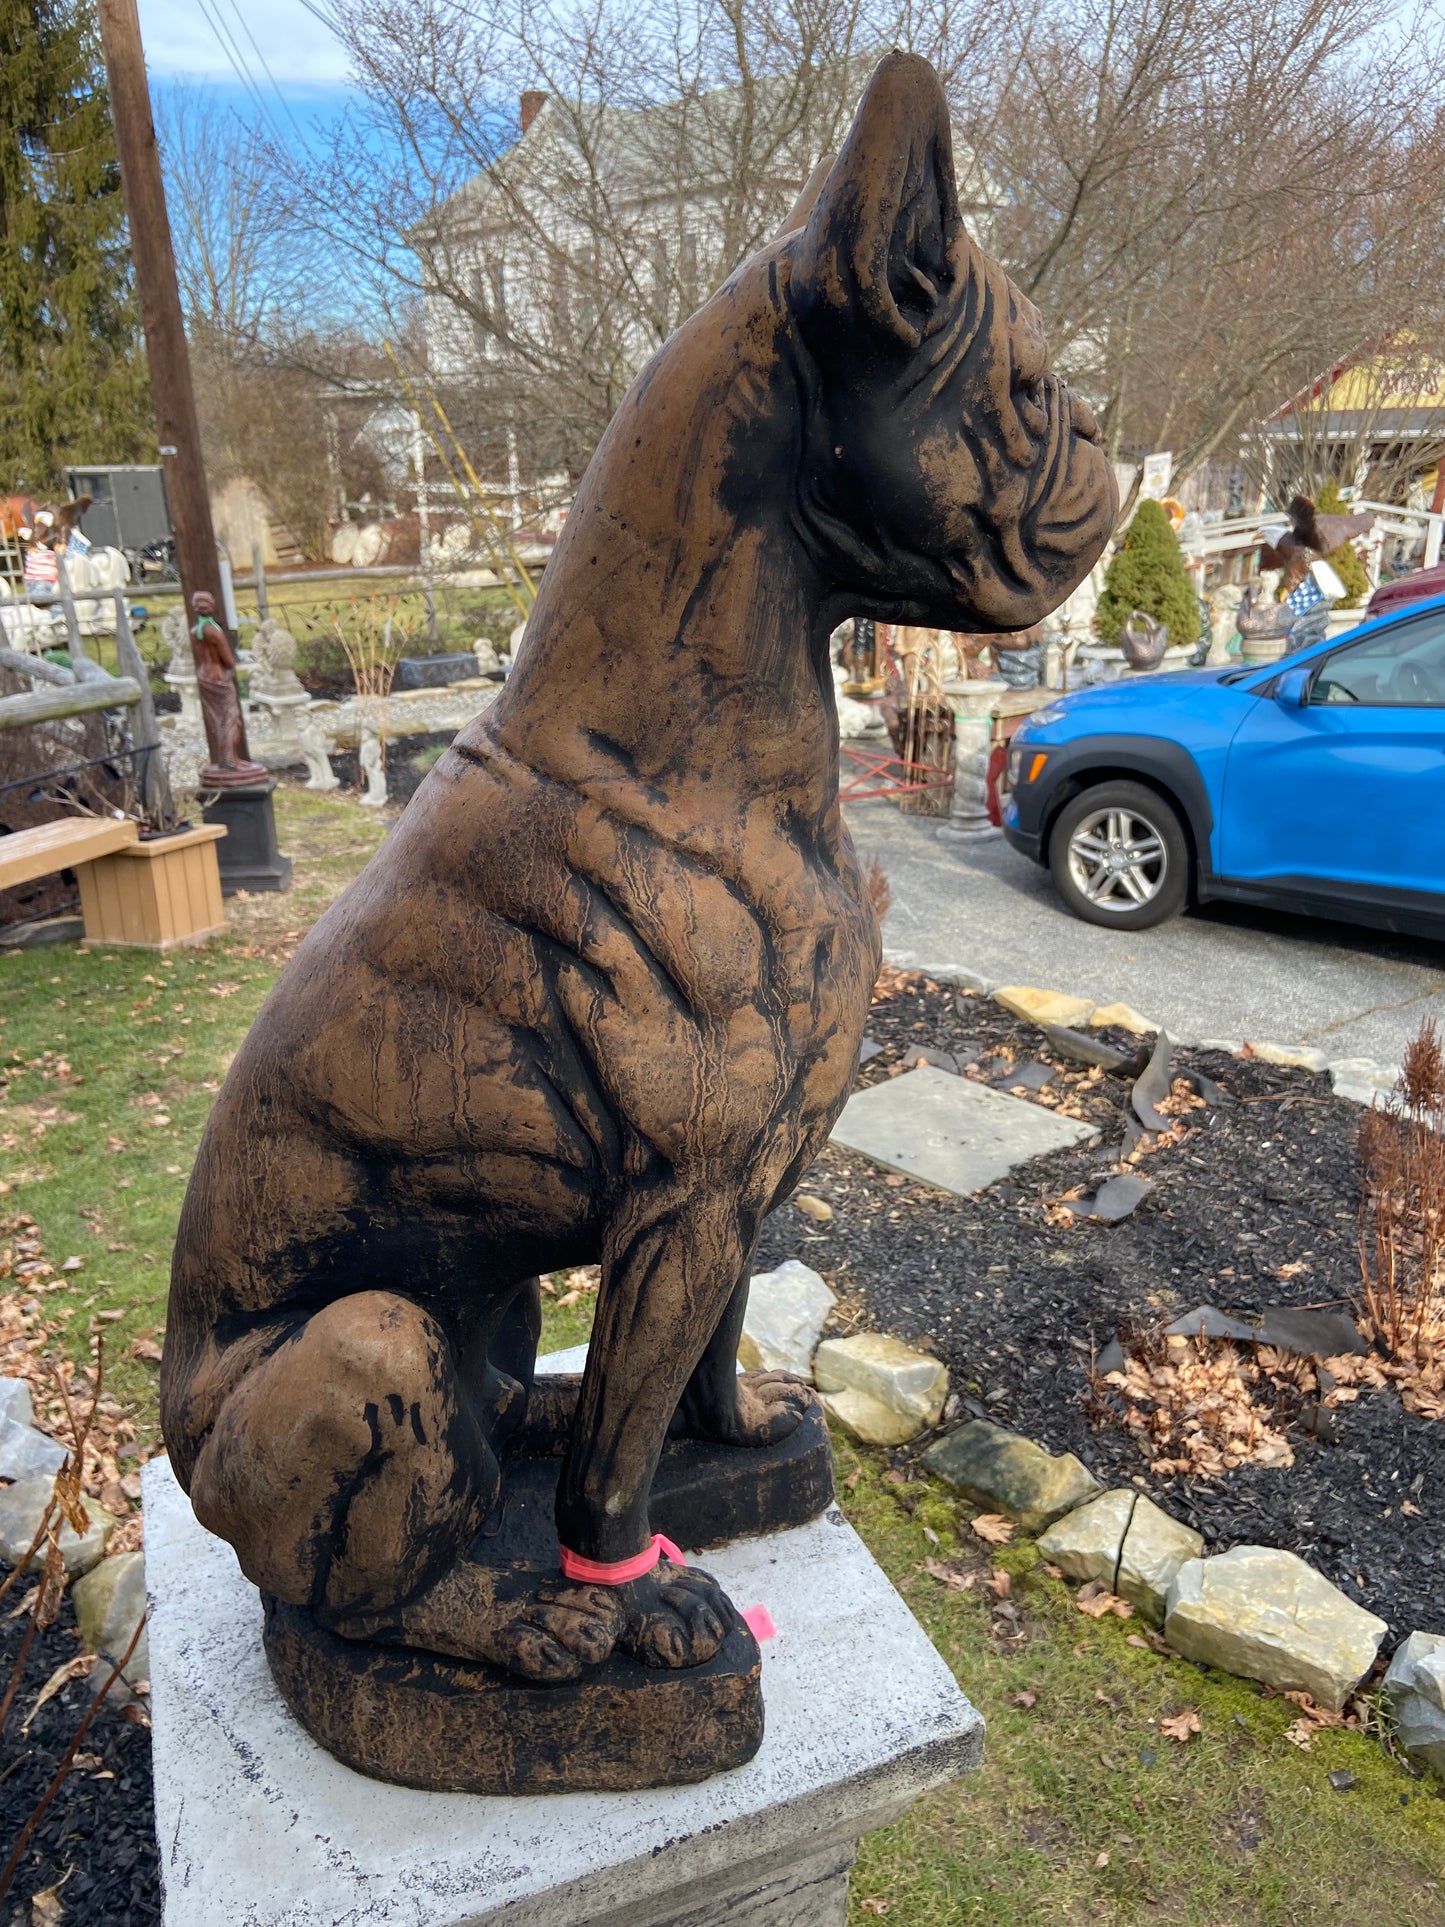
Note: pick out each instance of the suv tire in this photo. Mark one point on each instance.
(1120, 858)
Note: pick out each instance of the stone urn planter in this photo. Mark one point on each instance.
(154, 894)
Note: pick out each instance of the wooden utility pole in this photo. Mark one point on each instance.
(172, 395)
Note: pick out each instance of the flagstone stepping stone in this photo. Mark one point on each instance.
(1008, 1473)
(1414, 1690)
(880, 1390)
(951, 1132)
(22, 1507)
(787, 1310)
(1266, 1615)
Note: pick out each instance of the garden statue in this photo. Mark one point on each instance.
(1143, 641)
(372, 758)
(273, 678)
(230, 766)
(599, 997)
(315, 747)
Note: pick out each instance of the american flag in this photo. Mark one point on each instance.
(41, 565)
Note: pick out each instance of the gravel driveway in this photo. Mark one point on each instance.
(1219, 973)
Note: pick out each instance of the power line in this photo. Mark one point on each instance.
(265, 68)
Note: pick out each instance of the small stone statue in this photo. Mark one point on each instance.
(373, 768)
(315, 752)
(274, 677)
(230, 766)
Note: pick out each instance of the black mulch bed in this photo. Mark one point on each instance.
(1011, 1302)
(98, 1834)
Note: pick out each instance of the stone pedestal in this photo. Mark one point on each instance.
(275, 741)
(250, 857)
(259, 1827)
(973, 706)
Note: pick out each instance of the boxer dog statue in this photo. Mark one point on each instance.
(599, 997)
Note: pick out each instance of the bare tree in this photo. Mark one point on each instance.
(1209, 204)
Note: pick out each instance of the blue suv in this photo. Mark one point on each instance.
(1314, 784)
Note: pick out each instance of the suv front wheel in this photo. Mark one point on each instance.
(1119, 857)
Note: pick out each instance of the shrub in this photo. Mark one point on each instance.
(1148, 573)
(1345, 560)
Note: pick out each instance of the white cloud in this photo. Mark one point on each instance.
(179, 40)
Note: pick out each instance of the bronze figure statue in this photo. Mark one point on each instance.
(230, 766)
(599, 996)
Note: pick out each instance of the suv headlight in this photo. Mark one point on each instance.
(1050, 713)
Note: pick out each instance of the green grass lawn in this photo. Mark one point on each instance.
(1085, 1815)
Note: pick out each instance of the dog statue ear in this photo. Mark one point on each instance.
(885, 237)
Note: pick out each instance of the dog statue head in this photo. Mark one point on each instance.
(949, 477)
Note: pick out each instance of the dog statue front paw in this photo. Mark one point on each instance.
(677, 1616)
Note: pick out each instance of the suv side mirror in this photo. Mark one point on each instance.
(1292, 687)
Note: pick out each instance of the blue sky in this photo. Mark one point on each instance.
(305, 61)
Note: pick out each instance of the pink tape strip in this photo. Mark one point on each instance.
(759, 1622)
(619, 1572)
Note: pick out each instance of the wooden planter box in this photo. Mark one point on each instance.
(156, 894)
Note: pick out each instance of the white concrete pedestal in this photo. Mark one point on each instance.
(259, 1827)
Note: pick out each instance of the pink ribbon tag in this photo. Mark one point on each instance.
(759, 1622)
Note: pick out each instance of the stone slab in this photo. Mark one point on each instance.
(259, 1826)
(950, 1132)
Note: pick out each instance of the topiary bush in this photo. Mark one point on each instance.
(1345, 560)
(1148, 573)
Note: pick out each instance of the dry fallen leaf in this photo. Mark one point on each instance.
(1028, 1701)
(1101, 1861)
(875, 1904)
(1409, 1506)
(949, 1576)
(848, 1483)
(1182, 1727)
(1096, 1600)
(1300, 1734)
(999, 1584)
(45, 1907)
(992, 1528)
(146, 1347)
(76, 1668)
(814, 1208)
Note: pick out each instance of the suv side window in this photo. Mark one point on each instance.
(1398, 668)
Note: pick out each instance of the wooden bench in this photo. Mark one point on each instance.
(146, 896)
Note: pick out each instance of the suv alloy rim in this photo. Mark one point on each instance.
(1117, 859)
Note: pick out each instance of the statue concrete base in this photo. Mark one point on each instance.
(259, 1825)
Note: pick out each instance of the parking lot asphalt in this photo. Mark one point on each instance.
(1223, 972)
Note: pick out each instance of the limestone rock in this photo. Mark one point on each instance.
(1362, 1079)
(1297, 1057)
(1125, 1017)
(109, 1601)
(22, 1506)
(1266, 1615)
(26, 1453)
(1044, 1006)
(1155, 1547)
(1086, 1543)
(997, 1468)
(907, 1384)
(1415, 1692)
(787, 1310)
(868, 1419)
(15, 1401)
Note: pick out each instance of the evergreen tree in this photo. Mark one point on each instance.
(1345, 560)
(72, 371)
(1148, 573)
